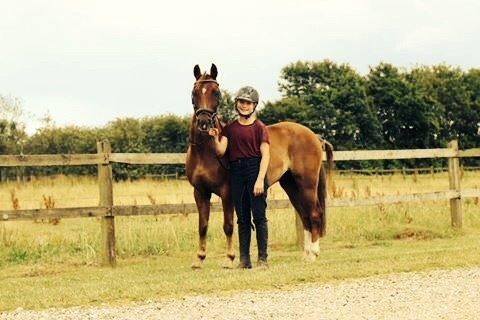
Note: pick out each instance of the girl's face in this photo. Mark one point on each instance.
(245, 107)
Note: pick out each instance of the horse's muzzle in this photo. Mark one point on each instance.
(205, 119)
(204, 126)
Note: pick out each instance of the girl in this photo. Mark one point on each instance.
(246, 143)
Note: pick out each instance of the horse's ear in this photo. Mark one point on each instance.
(213, 71)
(196, 72)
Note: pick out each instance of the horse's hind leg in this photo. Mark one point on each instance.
(315, 198)
(290, 186)
(202, 199)
(308, 193)
(228, 210)
(303, 193)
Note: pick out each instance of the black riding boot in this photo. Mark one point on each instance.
(244, 235)
(262, 241)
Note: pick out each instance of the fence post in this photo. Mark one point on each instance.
(106, 200)
(299, 228)
(454, 181)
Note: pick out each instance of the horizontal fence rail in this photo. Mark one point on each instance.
(43, 160)
(107, 211)
(180, 158)
(149, 158)
(191, 208)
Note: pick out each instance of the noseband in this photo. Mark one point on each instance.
(210, 114)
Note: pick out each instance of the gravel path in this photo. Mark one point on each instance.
(451, 294)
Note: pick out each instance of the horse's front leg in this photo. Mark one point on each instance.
(202, 199)
(228, 210)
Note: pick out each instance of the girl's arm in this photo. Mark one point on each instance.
(221, 142)
(259, 184)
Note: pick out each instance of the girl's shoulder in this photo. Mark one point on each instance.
(260, 123)
(228, 127)
(231, 123)
(260, 126)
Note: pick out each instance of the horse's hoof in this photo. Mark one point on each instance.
(197, 264)
(315, 248)
(228, 264)
(309, 257)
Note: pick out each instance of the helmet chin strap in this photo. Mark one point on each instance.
(246, 116)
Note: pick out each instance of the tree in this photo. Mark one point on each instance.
(226, 108)
(126, 135)
(471, 81)
(63, 140)
(11, 109)
(165, 133)
(12, 129)
(331, 100)
(292, 109)
(11, 137)
(453, 97)
(408, 118)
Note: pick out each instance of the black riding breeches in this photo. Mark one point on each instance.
(244, 173)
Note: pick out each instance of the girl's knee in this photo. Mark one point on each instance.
(260, 220)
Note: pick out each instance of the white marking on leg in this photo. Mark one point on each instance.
(307, 242)
(315, 247)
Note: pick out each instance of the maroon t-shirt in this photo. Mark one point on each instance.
(244, 140)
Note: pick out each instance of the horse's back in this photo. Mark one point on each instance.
(292, 147)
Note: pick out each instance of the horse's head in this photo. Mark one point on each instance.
(205, 98)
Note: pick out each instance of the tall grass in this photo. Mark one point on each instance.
(76, 241)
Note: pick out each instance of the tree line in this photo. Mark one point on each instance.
(166, 133)
(388, 108)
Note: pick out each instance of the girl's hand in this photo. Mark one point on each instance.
(214, 132)
(258, 188)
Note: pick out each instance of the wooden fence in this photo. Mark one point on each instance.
(107, 211)
(379, 171)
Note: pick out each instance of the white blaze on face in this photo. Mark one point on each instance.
(204, 90)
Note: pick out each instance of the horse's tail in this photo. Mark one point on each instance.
(324, 177)
(329, 151)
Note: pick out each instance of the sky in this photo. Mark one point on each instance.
(89, 62)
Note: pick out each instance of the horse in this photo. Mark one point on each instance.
(296, 156)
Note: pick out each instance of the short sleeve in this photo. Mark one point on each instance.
(264, 133)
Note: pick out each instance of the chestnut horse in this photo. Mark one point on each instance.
(296, 156)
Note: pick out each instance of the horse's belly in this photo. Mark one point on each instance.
(279, 162)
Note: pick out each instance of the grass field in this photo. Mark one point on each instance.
(45, 265)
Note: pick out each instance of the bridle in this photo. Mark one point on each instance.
(211, 115)
(212, 118)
